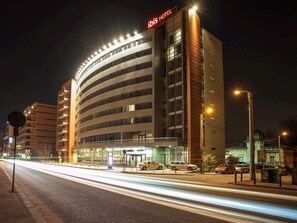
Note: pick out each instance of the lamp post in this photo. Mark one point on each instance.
(280, 158)
(251, 130)
(209, 110)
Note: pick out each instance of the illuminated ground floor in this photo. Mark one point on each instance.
(131, 156)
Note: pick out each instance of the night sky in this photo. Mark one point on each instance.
(43, 42)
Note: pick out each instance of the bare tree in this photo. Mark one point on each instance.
(290, 125)
(44, 150)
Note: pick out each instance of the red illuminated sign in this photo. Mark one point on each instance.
(156, 20)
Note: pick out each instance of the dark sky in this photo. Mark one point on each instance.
(43, 42)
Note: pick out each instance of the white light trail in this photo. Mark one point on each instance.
(161, 188)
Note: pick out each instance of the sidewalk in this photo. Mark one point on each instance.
(12, 208)
(285, 184)
(208, 178)
(221, 179)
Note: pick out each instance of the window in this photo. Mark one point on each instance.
(178, 76)
(271, 159)
(178, 105)
(128, 108)
(171, 106)
(177, 36)
(171, 92)
(178, 120)
(171, 79)
(178, 49)
(171, 39)
(178, 91)
(170, 53)
(171, 120)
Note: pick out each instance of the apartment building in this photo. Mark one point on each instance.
(66, 120)
(37, 138)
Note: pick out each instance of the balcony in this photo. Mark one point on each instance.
(63, 100)
(63, 116)
(62, 132)
(64, 139)
(63, 92)
(63, 108)
(62, 123)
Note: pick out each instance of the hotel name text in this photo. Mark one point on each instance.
(159, 19)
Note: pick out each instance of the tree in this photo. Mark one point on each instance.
(44, 150)
(290, 125)
(209, 161)
(270, 133)
(232, 159)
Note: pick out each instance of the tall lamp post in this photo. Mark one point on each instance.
(280, 158)
(251, 130)
(209, 111)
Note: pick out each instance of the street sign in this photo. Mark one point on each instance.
(16, 119)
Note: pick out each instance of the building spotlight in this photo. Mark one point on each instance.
(193, 9)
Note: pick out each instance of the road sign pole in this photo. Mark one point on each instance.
(14, 154)
(15, 119)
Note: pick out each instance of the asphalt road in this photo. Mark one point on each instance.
(60, 200)
(63, 194)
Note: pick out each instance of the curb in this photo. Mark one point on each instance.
(263, 186)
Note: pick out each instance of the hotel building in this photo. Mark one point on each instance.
(38, 136)
(143, 96)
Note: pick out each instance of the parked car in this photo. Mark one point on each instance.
(242, 168)
(284, 170)
(179, 165)
(225, 168)
(240, 162)
(151, 165)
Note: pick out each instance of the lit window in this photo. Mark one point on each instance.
(131, 108)
(177, 36)
(170, 54)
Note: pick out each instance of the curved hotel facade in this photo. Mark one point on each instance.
(144, 95)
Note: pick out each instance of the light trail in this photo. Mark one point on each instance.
(159, 189)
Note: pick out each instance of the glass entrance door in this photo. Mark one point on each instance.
(134, 159)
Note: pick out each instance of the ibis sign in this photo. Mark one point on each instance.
(156, 20)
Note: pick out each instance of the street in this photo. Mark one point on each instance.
(65, 194)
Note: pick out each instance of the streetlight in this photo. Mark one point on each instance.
(279, 146)
(251, 130)
(209, 111)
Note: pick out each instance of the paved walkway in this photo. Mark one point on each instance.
(12, 206)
